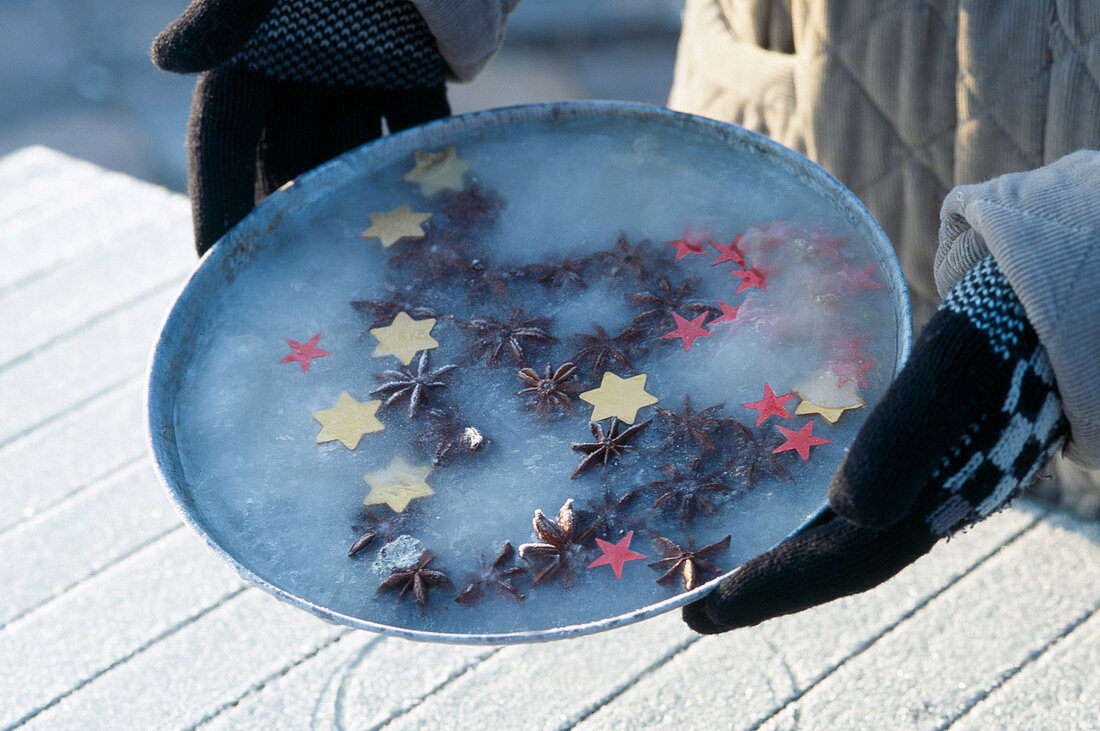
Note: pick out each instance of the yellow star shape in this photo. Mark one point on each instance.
(404, 337)
(621, 397)
(398, 484)
(436, 171)
(400, 223)
(348, 421)
(830, 413)
(822, 393)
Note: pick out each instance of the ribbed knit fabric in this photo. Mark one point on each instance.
(289, 84)
(250, 134)
(967, 424)
(373, 43)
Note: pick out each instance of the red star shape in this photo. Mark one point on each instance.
(858, 280)
(828, 247)
(770, 405)
(849, 370)
(849, 347)
(688, 330)
(688, 244)
(800, 440)
(729, 252)
(616, 554)
(849, 362)
(304, 352)
(774, 234)
(729, 313)
(749, 278)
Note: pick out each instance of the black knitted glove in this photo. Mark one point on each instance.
(966, 426)
(208, 33)
(289, 84)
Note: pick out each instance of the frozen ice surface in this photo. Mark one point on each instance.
(287, 508)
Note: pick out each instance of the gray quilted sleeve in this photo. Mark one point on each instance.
(468, 32)
(1043, 229)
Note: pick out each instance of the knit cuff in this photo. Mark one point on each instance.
(1043, 229)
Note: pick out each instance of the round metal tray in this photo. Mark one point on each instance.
(196, 311)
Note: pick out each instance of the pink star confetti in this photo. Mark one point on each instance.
(749, 278)
(800, 440)
(766, 237)
(303, 353)
(729, 313)
(853, 370)
(849, 362)
(616, 554)
(849, 347)
(729, 252)
(770, 405)
(688, 330)
(827, 247)
(859, 280)
(689, 243)
(764, 318)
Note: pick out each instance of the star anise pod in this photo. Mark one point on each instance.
(639, 261)
(662, 300)
(403, 384)
(557, 275)
(604, 349)
(558, 541)
(447, 437)
(611, 443)
(689, 427)
(754, 456)
(690, 493)
(500, 575)
(382, 311)
(439, 256)
(550, 391)
(493, 338)
(471, 208)
(482, 278)
(417, 578)
(375, 521)
(691, 565)
(607, 514)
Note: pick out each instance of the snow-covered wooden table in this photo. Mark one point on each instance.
(114, 615)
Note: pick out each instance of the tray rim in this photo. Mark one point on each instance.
(233, 251)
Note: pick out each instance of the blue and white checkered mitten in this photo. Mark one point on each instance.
(967, 424)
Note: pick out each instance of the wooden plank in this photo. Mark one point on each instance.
(44, 468)
(65, 299)
(748, 674)
(65, 546)
(721, 682)
(33, 177)
(45, 385)
(948, 656)
(1059, 690)
(203, 665)
(105, 621)
(360, 681)
(85, 221)
(855, 621)
(551, 685)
